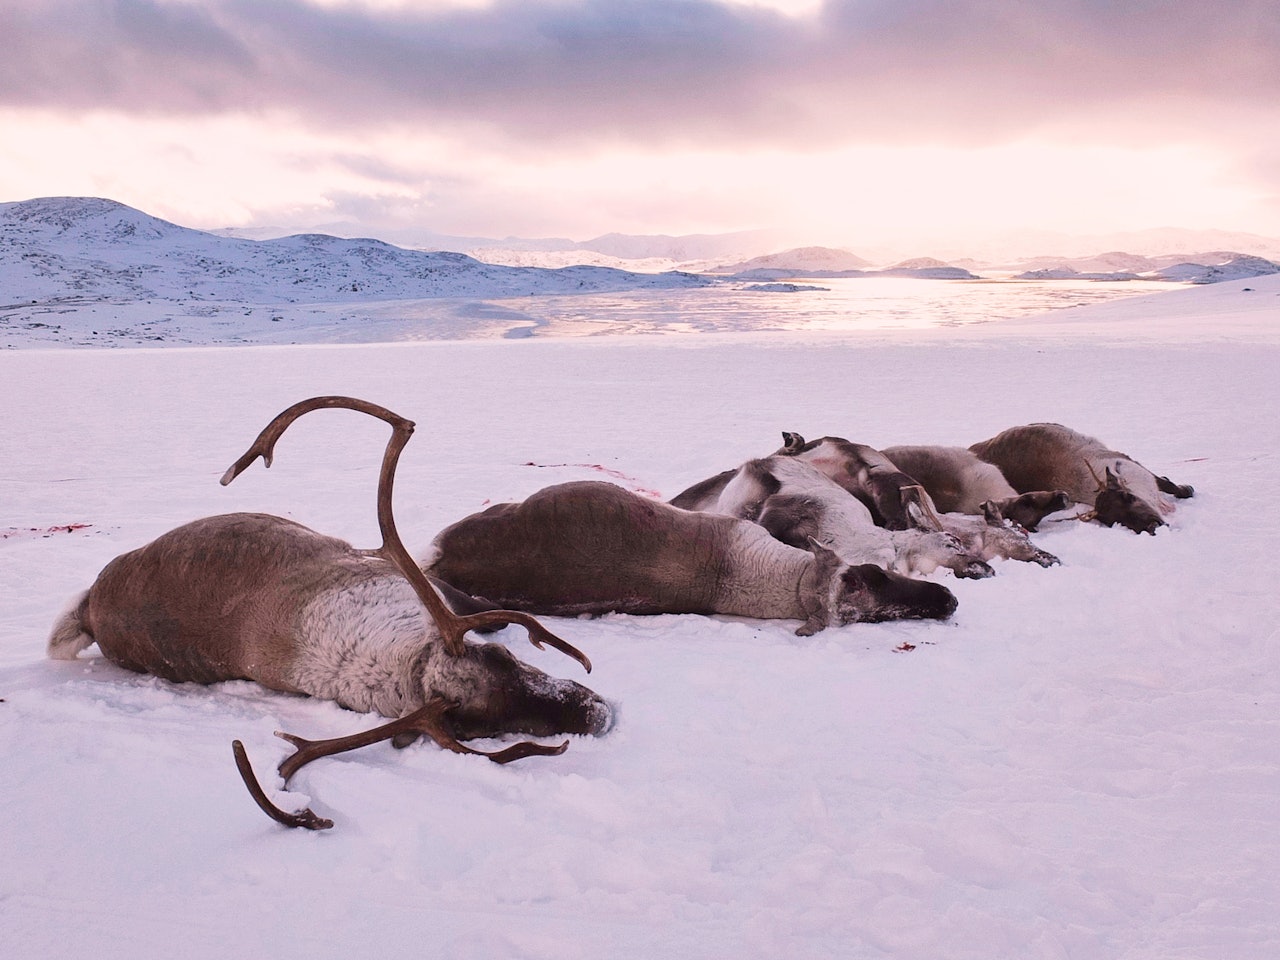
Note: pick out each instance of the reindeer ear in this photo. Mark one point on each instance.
(791, 442)
(919, 519)
(1113, 481)
(826, 556)
(991, 510)
(919, 508)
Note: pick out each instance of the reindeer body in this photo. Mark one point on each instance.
(864, 472)
(257, 597)
(1044, 456)
(591, 547)
(959, 481)
(795, 500)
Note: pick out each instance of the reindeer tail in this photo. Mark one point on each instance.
(70, 634)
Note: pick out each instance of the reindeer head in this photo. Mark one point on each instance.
(944, 548)
(836, 592)
(1115, 503)
(994, 536)
(492, 692)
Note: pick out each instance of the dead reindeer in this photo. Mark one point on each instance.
(797, 502)
(958, 481)
(991, 536)
(894, 499)
(592, 548)
(1042, 456)
(249, 596)
(982, 538)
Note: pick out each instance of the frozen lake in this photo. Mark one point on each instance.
(828, 305)
(833, 305)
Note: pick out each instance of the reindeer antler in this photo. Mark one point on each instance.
(451, 626)
(303, 818)
(428, 720)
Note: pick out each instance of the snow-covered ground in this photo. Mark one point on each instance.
(1083, 763)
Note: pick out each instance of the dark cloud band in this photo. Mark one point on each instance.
(691, 71)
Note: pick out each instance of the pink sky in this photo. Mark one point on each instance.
(842, 122)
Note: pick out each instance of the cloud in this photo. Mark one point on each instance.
(548, 72)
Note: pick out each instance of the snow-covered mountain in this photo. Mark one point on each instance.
(1237, 267)
(801, 259)
(57, 252)
(689, 248)
(1159, 242)
(835, 262)
(610, 248)
(59, 247)
(1209, 267)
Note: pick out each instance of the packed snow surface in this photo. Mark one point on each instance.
(1083, 763)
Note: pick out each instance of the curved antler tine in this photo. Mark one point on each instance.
(392, 548)
(538, 634)
(303, 818)
(525, 748)
(452, 627)
(447, 622)
(264, 445)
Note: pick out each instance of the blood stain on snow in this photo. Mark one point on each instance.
(14, 533)
(607, 471)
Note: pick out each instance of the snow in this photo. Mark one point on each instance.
(1084, 762)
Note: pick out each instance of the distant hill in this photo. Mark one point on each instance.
(1155, 243)
(1238, 267)
(758, 251)
(800, 260)
(828, 262)
(57, 247)
(611, 248)
(682, 249)
(1209, 267)
(1113, 262)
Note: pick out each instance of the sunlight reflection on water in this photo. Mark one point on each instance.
(880, 303)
